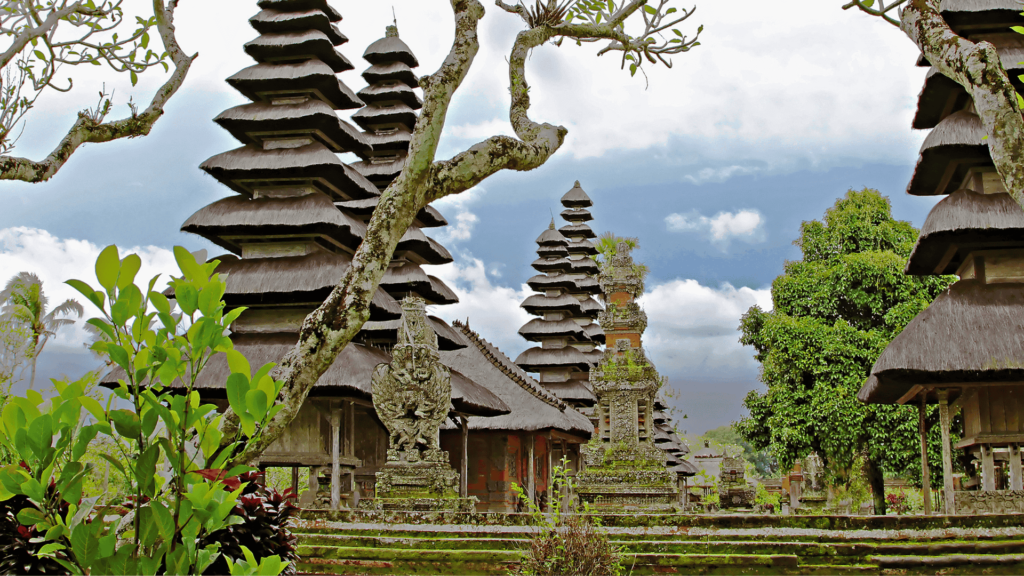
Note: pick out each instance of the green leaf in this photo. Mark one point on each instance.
(31, 517)
(134, 77)
(87, 291)
(84, 543)
(107, 267)
(650, 9)
(126, 423)
(238, 363)
(129, 268)
(237, 386)
(257, 403)
(145, 471)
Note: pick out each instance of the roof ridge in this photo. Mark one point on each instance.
(499, 360)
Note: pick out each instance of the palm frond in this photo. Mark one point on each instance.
(66, 308)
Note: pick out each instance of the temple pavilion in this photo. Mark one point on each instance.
(965, 352)
(296, 216)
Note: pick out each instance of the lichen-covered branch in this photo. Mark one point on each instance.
(90, 126)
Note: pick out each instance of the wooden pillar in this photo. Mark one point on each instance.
(551, 489)
(295, 481)
(464, 463)
(314, 485)
(988, 469)
(926, 475)
(1016, 482)
(947, 452)
(350, 448)
(335, 457)
(531, 473)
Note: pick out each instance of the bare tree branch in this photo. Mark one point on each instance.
(90, 127)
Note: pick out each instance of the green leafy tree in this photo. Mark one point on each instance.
(762, 460)
(833, 313)
(25, 302)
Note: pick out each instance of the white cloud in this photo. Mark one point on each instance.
(719, 174)
(492, 310)
(56, 260)
(695, 327)
(462, 222)
(722, 227)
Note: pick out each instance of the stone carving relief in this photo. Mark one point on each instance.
(989, 502)
(412, 393)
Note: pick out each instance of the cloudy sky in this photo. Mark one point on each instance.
(712, 164)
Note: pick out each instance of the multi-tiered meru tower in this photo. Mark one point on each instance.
(566, 309)
(966, 350)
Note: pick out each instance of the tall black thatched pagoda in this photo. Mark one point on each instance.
(966, 351)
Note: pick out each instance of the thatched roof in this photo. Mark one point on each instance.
(309, 76)
(377, 172)
(594, 356)
(275, 21)
(390, 49)
(580, 215)
(553, 251)
(390, 91)
(967, 221)
(552, 265)
(301, 6)
(293, 280)
(410, 278)
(974, 16)
(684, 468)
(349, 375)
(535, 359)
(532, 407)
(576, 197)
(571, 230)
(584, 265)
(314, 116)
(429, 217)
(543, 282)
(243, 169)
(594, 332)
(552, 237)
(586, 285)
(940, 95)
(957, 139)
(224, 221)
(423, 248)
(973, 332)
(572, 391)
(391, 71)
(394, 139)
(268, 48)
(447, 337)
(538, 329)
(370, 116)
(583, 247)
(539, 304)
(591, 305)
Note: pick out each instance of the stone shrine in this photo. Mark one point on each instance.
(813, 495)
(733, 490)
(624, 469)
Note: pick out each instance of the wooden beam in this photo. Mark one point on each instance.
(1016, 481)
(295, 482)
(947, 452)
(914, 392)
(464, 463)
(335, 458)
(988, 469)
(531, 473)
(958, 404)
(926, 477)
(547, 473)
(946, 258)
(313, 484)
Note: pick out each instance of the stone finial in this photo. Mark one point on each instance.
(392, 31)
(552, 225)
(577, 184)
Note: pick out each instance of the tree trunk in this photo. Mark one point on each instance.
(877, 483)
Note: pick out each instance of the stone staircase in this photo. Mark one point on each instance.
(327, 547)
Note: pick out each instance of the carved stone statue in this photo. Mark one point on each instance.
(814, 496)
(733, 490)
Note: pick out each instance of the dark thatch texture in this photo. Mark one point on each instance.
(381, 173)
(390, 92)
(950, 150)
(576, 198)
(594, 332)
(391, 71)
(543, 282)
(571, 230)
(556, 251)
(226, 221)
(390, 49)
(538, 330)
(243, 169)
(394, 139)
(685, 468)
(293, 280)
(967, 221)
(409, 278)
(552, 237)
(583, 247)
(268, 48)
(310, 77)
(312, 116)
(349, 375)
(594, 356)
(591, 305)
(274, 22)
(584, 266)
(538, 304)
(422, 248)
(978, 16)
(973, 332)
(572, 391)
(447, 337)
(532, 407)
(939, 96)
(301, 6)
(552, 265)
(581, 215)
(536, 359)
(372, 116)
(429, 217)
(587, 285)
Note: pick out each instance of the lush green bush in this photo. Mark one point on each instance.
(766, 501)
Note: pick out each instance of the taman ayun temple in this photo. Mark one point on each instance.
(478, 422)
(965, 352)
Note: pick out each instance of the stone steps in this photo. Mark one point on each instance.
(353, 548)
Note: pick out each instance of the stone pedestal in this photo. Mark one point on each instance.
(430, 484)
(627, 478)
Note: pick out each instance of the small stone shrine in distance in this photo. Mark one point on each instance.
(624, 469)
(411, 395)
(813, 495)
(733, 489)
